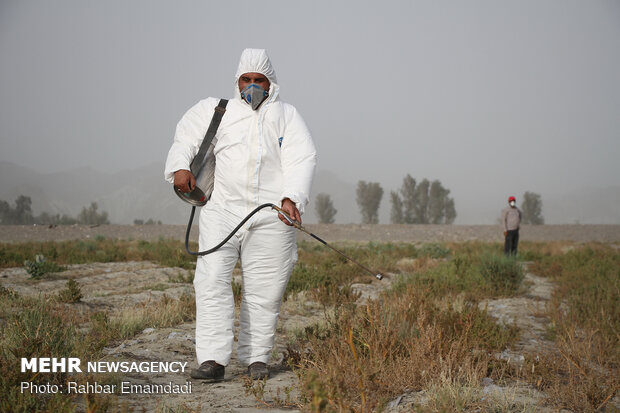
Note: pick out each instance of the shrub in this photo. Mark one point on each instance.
(40, 266)
(71, 294)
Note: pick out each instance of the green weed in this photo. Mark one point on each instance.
(40, 266)
(71, 294)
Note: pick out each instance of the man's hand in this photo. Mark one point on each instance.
(184, 180)
(289, 207)
(505, 233)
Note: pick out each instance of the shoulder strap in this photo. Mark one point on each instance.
(220, 109)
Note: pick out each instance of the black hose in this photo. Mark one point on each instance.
(218, 246)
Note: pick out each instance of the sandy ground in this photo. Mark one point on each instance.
(117, 286)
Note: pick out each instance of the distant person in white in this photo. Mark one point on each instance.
(264, 153)
(511, 220)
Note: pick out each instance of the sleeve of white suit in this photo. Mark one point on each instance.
(189, 134)
(298, 160)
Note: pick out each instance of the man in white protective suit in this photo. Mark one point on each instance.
(264, 153)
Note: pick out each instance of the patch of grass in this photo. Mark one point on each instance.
(164, 312)
(434, 250)
(404, 341)
(477, 276)
(40, 328)
(182, 277)
(462, 396)
(169, 252)
(157, 287)
(502, 273)
(328, 276)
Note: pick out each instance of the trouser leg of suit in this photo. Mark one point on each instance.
(214, 297)
(268, 254)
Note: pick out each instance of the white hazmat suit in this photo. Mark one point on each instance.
(263, 155)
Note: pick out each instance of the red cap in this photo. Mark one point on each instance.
(511, 198)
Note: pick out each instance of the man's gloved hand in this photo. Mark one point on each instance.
(184, 180)
(505, 233)
(289, 207)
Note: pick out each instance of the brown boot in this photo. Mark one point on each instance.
(258, 370)
(209, 371)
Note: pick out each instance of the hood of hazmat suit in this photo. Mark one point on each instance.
(262, 155)
(257, 61)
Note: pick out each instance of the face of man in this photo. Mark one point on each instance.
(256, 78)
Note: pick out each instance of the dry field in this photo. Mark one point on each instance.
(140, 285)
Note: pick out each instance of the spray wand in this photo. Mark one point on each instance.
(297, 225)
(294, 223)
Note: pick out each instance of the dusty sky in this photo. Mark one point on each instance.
(491, 97)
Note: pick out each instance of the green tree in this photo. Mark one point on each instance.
(90, 216)
(325, 209)
(20, 215)
(531, 209)
(5, 213)
(396, 213)
(436, 202)
(450, 211)
(407, 192)
(23, 210)
(423, 203)
(369, 196)
(422, 199)
(440, 207)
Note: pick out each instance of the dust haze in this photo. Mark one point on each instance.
(492, 99)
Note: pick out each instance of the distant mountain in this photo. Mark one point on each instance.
(141, 193)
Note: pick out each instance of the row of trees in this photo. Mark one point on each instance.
(416, 203)
(423, 203)
(21, 214)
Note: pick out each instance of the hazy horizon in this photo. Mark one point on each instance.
(491, 98)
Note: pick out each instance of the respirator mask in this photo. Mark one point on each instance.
(254, 95)
(512, 203)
